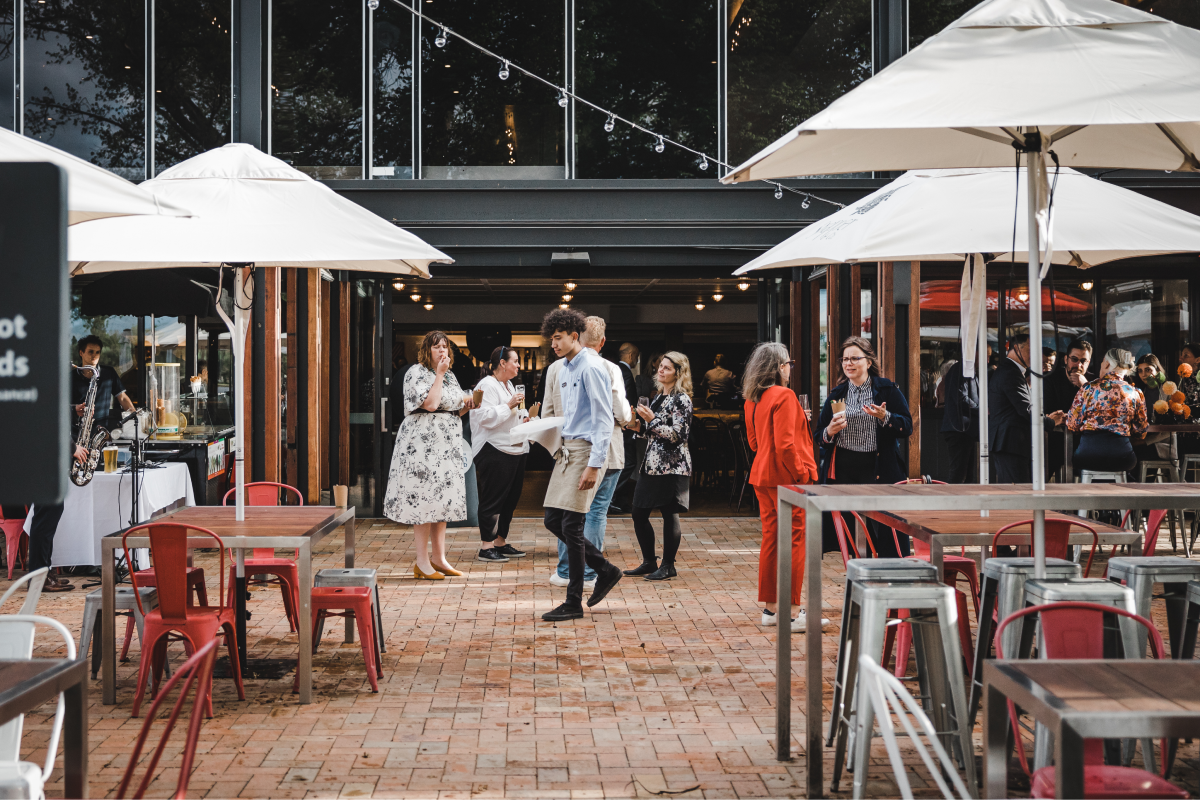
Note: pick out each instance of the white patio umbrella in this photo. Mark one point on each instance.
(251, 210)
(92, 192)
(960, 214)
(1097, 83)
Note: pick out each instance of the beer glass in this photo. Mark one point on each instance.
(110, 459)
(520, 389)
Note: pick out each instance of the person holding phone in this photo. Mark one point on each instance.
(499, 461)
(427, 481)
(861, 425)
(667, 469)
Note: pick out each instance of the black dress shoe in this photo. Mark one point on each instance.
(509, 551)
(604, 583)
(613, 508)
(563, 612)
(645, 568)
(491, 554)
(663, 573)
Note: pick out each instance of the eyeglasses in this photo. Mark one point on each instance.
(791, 363)
(1078, 360)
(852, 359)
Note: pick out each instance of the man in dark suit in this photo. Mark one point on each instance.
(623, 494)
(1062, 384)
(1009, 413)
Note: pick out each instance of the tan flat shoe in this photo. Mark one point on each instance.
(421, 576)
(447, 570)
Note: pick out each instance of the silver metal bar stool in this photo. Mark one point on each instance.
(355, 576)
(1141, 573)
(933, 613)
(125, 603)
(1003, 592)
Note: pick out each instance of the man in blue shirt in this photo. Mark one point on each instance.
(585, 390)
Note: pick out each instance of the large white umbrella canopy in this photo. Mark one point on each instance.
(251, 209)
(943, 215)
(92, 192)
(1094, 82)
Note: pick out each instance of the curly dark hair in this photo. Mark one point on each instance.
(425, 353)
(568, 320)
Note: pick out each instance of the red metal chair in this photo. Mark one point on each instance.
(263, 562)
(175, 619)
(15, 539)
(1073, 630)
(196, 671)
(1058, 532)
(342, 601)
(1153, 523)
(846, 539)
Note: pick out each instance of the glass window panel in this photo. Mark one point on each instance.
(930, 17)
(192, 73)
(1072, 306)
(1145, 316)
(475, 125)
(8, 78)
(85, 80)
(317, 75)
(655, 64)
(391, 130)
(789, 59)
(1185, 12)
(823, 343)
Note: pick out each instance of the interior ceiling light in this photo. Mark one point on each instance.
(568, 298)
(416, 298)
(570, 286)
(1086, 286)
(429, 306)
(718, 297)
(398, 286)
(563, 305)
(743, 286)
(1022, 295)
(699, 306)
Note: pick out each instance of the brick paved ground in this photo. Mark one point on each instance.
(665, 686)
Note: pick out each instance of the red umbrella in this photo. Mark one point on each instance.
(944, 296)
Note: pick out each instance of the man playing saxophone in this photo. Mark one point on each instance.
(108, 388)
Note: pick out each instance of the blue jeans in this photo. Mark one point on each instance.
(596, 525)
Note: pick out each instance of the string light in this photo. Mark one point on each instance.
(373, 4)
(565, 96)
(704, 163)
(504, 71)
(804, 203)
(658, 148)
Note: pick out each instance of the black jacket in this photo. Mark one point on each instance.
(1009, 410)
(1059, 393)
(888, 466)
(631, 394)
(962, 403)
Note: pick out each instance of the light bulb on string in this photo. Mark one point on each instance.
(504, 71)
(440, 41)
(609, 124)
(805, 203)
(778, 192)
(703, 162)
(562, 99)
(373, 4)
(658, 148)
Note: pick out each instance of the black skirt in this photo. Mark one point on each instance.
(670, 492)
(1104, 451)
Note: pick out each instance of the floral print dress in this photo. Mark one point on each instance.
(427, 480)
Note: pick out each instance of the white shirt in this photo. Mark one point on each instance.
(492, 421)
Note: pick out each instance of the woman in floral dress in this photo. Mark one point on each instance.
(426, 485)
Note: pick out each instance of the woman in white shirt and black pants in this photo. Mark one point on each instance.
(499, 462)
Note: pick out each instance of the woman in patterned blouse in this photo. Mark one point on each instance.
(667, 467)
(1108, 411)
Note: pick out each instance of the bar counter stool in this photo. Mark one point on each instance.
(125, 603)
(933, 611)
(355, 576)
(1140, 574)
(1188, 648)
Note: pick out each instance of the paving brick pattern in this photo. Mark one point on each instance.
(663, 687)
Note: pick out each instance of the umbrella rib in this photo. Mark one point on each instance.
(1063, 133)
(1190, 164)
(992, 136)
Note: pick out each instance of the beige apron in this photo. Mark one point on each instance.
(569, 463)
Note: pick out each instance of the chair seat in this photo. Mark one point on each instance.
(270, 562)
(20, 779)
(1109, 783)
(205, 616)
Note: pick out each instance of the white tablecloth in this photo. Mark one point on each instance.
(106, 504)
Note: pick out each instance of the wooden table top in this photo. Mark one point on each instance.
(967, 522)
(26, 684)
(1113, 686)
(260, 520)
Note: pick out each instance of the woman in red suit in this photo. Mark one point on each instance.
(779, 434)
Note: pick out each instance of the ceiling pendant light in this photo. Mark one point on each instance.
(1086, 286)
(398, 286)
(568, 297)
(1022, 295)
(416, 298)
(570, 286)
(699, 306)
(504, 71)
(429, 306)
(563, 305)
(717, 296)
(743, 286)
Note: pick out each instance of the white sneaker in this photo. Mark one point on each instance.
(800, 623)
(557, 580)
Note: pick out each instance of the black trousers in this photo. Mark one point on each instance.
(500, 477)
(1104, 451)
(568, 527)
(1013, 468)
(852, 467)
(41, 535)
(963, 465)
(644, 530)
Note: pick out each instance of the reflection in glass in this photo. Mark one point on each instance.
(789, 59)
(475, 125)
(316, 73)
(85, 80)
(655, 65)
(823, 343)
(930, 17)
(1185, 12)
(1145, 316)
(193, 72)
(8, 78)
(391, 130)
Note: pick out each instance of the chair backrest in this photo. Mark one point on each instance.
(887, 696)
(1073, 630)
(168, 552)
(196, 671)
(265, 493)
(35, 581)
(1058, 533)
(16, 643)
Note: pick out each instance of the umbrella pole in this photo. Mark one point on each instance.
(1035, 164)
(237, 346)
(981, 376)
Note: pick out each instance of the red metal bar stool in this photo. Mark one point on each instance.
(346, 601)
(285, 573)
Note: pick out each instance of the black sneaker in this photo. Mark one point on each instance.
(604, 583)
(491, 554)
(665, 572)
(563, 612)
(509, 551)
(645, 568)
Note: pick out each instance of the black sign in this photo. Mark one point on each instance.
(33, 333)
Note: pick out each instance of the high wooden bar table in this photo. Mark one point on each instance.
(299, 527)
(910, 497)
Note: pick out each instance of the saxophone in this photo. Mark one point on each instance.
(81, 473)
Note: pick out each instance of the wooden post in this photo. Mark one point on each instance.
(311, 481)
(271, 277)
(914, 369)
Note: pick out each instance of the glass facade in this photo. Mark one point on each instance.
(193, 63)
(1145, 316)
(391, 99)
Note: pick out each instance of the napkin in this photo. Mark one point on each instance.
(546, 432)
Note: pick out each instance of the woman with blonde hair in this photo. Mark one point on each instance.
(427, 482)
(778, 431)
(667, 468)
(1108, 411)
